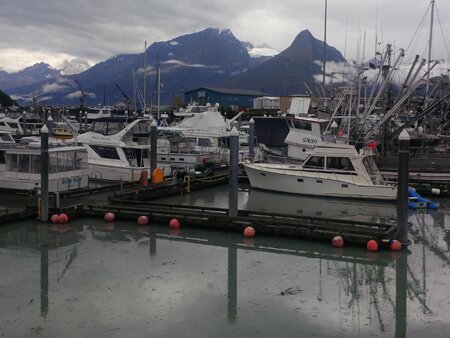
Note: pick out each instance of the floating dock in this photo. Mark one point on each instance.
(314, 228)
(130, 202)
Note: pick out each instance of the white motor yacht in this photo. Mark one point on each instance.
(332, 170)
(20, 166)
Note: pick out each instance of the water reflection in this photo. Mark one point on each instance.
(182, 276)
(259, 200)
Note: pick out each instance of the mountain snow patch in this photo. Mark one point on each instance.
(262, 51)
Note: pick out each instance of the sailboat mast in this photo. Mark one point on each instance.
(429, 47)
(145, 76)
(325, 43)
(159, 91)
(134, 91)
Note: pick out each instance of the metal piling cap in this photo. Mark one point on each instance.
(404, 136)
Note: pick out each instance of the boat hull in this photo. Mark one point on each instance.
(306, 183)
(57, 182)
(124, 174)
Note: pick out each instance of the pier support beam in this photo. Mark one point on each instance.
(152, 244)
(251, 139)
(43, 243)
(401, 290)
(153, 146)
(44, 174)
(232, 283)
(234, 178)
(402, 191)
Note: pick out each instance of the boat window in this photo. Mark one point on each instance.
(6, 138)
(339, 163)
(24, 163)
(314, 162)
(35, 164)
(135, 156)
(64, 161)
(108, 128)
(191, 140)
(2, 157)
(302, 125)
(142, 128)
(13, 125)
(114, 127)
(106, 152)
(204, 142)
(224, 142)
(11, 162)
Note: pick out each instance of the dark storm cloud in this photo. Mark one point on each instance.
(98, 29)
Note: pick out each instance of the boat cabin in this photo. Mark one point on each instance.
(20, 167)
(305, 133)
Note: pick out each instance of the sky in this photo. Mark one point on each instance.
(55, 31)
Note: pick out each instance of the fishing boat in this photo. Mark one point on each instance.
(62, 132)
(331, 170)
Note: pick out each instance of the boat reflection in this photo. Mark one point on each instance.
(263, 201)
(360, 293)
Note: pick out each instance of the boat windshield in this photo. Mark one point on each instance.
(339, 163)
(314, 162)
(108, 127)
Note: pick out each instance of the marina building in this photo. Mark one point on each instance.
(236, 98)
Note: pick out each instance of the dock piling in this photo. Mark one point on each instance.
(402, 189)
(233, 180)
(44, 174)
(251, 139)
(153, 147)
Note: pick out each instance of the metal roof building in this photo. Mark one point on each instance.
(237, 98)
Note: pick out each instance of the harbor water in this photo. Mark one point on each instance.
(90, 278)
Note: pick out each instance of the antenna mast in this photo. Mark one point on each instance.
(429, 49)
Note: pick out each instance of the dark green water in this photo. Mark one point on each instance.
(94, 279)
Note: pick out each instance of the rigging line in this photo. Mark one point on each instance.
(443, 33)
(420, 26)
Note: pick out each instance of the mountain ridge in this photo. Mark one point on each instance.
(210, 57)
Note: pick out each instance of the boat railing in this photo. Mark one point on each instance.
(279, 159)
(425, 151)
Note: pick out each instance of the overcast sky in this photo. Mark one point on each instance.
(54, 31)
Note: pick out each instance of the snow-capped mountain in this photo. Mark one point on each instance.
(75, 66)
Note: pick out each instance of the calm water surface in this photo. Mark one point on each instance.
(96, 279)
